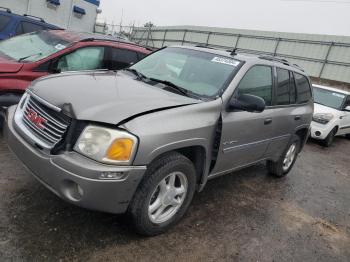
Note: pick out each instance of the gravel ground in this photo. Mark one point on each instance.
(246, 216)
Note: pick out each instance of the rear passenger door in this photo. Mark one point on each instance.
(291, 106)
(245, 136)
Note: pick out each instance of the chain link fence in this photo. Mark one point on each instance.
(321, 57)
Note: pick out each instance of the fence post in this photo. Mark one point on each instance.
(276, 47)
(207, 43)
(148, 35)
(236, 44)
(165, 32)
(183, 39)
(326, 59)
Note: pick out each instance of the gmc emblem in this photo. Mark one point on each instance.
(36, 119)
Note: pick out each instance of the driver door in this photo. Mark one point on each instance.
(246, 136)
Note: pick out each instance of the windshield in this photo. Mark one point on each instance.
(201, 73)
(34, 46)
(328, 98)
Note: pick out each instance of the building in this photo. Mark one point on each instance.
(77, 15)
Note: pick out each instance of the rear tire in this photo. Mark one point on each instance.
(286, 162)
(347, 136)
(159, 202)
(327, 142)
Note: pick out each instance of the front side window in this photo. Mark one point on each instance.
(34, 46)
(202, 73)
(257, 81)
(4, 20)
(328, 98)
(303, 88)
(87, 58)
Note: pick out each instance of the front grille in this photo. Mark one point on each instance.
(43, 122)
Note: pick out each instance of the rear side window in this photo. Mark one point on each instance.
(141, 55)
(285, 93)
(26, 27)
(303, 88)
(258, 82)
(122, 58)
(4, 20)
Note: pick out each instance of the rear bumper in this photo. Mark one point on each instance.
(75, 178)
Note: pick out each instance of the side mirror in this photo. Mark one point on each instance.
(347, 108)
(249, 103)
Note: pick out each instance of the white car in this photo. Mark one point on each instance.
(331, 114)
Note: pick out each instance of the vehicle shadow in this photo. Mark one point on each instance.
(43, 226)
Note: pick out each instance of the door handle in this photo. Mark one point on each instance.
(268, 121)
(297, 117)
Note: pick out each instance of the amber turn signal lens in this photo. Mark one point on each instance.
(120, 150)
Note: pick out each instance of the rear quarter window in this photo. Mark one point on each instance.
(303, 88)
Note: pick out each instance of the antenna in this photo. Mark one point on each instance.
(234, 52)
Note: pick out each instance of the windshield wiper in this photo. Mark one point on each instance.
(25, 57)
(181, 90)
(139, 75)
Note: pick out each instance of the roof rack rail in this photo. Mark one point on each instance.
(281, 60)
(204, 46)
(276, 59)
(299, 67)
(117, 40)
(8, 10)
(36, 17)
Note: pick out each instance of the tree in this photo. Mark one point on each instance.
(149, 24)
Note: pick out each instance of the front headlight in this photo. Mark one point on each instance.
(107, 145)
(322, 118)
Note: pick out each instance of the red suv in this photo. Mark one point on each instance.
(26, 57)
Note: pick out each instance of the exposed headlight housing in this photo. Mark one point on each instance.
(322, 118)
(107, 145)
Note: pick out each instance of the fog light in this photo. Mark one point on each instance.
(80, 190)
(317, 133)
(72, 190)
(113, 175)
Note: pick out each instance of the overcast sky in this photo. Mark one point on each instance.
(301, 16)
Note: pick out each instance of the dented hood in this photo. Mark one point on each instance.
(106, 97)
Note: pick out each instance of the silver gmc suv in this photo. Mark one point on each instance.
(143, 140)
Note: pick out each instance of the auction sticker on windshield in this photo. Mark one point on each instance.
(226, 61)
(60, 46)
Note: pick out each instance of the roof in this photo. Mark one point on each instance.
(25, 17)
(332, 89)
(247, 57)
(74, 36)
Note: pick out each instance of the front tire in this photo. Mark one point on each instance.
(286, 162)
(327, 142)
(164, 194)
